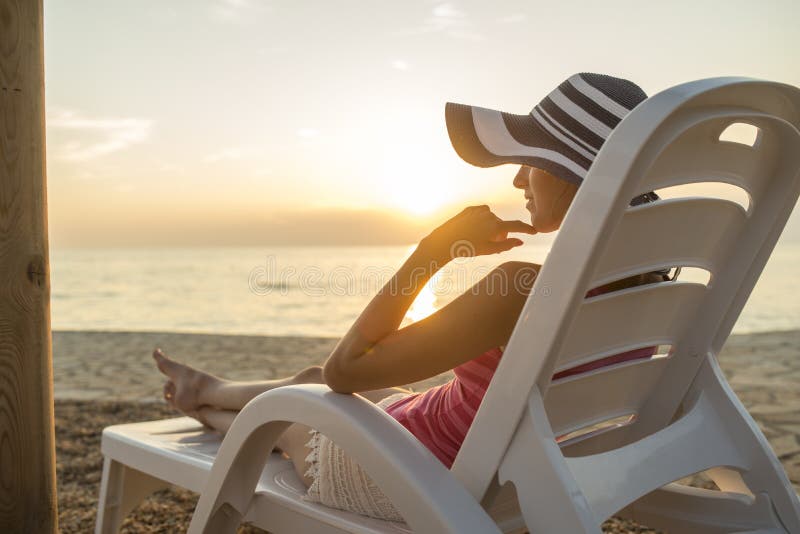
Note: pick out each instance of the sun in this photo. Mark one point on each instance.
(418, 199)
(420, 186)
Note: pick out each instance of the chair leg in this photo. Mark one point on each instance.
(771, 480)
(765, 474)
(688, 510)
(755, 492)
(121, 489)
(551, 500)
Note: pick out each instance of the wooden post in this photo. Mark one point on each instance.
(27, 453)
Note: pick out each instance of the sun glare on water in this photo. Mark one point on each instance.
(424, 304)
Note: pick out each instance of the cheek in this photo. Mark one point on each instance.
(531, 207)
(541, 220)
(535, 213)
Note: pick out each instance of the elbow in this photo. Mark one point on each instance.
(335, 378)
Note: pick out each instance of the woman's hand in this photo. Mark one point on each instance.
(475, 231)
(375, 354)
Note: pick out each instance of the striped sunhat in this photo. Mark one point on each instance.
(561, 135)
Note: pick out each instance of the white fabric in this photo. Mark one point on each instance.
(339, 482)
(494, 136)
(612, 106)
(540, 118)
(579, 114)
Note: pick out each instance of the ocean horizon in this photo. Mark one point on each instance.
(314, 291)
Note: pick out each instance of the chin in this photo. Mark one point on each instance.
(543, 228)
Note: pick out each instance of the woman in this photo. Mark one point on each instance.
(554, 145)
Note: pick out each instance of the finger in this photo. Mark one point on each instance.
(482, 207)
(472, 210)
(489, 214)
(517, 226)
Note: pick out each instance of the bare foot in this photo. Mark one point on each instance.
(185, 385)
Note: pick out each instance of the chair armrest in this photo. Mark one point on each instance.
(418, 484)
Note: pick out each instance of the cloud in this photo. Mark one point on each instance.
(125, 188)
(307, 132)
(399, 64)
(448, 13)
(275, 49)
(514, 18)
(162, 13)
(116, 133)
(237, 11)
(232, 153)
(171, 168)
(447, 19)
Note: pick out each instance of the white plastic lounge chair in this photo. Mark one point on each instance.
(655, 420)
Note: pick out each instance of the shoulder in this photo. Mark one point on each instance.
(517, 276)
(518, 265)
(512, 268)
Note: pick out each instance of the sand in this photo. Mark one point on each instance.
(104, 378)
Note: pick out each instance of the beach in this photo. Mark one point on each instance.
(103, 378)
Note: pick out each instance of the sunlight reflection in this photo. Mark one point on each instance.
(425, 303)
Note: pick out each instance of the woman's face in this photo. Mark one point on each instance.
(548, 197)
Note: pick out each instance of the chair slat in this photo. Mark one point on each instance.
(670, 139)
(641, 316)
(574, 403)
(681, 231)
(714, 160)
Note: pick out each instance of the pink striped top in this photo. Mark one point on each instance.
(441, 416)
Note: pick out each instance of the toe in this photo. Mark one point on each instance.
(164, 364)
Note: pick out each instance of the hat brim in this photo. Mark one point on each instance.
(487, 138)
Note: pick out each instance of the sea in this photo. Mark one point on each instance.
(302, 291)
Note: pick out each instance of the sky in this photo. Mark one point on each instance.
(261, 122)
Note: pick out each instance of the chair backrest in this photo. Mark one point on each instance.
(672, 138)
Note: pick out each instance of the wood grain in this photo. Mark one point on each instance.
(27, 454)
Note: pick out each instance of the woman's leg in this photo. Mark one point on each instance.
(188, 389)
(215, 402)
(292, 442)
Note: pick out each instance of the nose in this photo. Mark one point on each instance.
(521, 180)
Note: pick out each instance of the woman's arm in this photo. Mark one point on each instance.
(375, 354)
